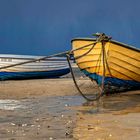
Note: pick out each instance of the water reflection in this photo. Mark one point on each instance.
(8, 104)
(113, 117)
(114, 103)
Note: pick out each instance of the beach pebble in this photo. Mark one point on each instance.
(67, 133)
(13, 124)
(24, 125)
(23, 134)
(110, 135)
(8, 131)
(69, 122)
(50, 138)
(66, 105)
(38, 127)
(37, 119)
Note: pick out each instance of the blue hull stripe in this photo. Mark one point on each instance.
(113, 81)
(33, 75)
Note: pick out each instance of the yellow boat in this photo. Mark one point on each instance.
(108, 62)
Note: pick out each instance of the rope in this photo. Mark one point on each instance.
(34, 60)
(101, 38)
(76, 85)
(82, 47)
(45, 57)
(87, 51)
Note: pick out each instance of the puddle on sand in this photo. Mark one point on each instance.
(56, 116)
(115, 103)
(58, 104)
(41, 117)
(11, 104)
(122, 103)
(114, 117)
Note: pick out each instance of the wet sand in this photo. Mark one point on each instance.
(52, 109)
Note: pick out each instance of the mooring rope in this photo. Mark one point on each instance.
(101, 38)
(93, 44)
(76, 85)
(45, 57)
(34, 60)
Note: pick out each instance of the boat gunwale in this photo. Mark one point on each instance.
(112, 41)
(31, 57)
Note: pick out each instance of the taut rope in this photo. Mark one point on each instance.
(100, 38)
(45, 57)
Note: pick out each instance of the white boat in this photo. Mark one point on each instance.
(13, 67)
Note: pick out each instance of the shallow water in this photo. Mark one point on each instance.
(19, 118)
(11, 104)
(61, 117)
(114, 117)
(58, 103)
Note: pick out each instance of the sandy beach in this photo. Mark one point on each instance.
(52, 109)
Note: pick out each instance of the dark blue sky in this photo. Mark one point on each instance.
(42, 27)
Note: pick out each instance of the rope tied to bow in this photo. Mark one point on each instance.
(100, 38)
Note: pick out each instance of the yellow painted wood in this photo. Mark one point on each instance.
(78, 44)
(123, 63)
(88, 64)
(131, 74)
(121, 57)
(111, 73)
(89, 58)
(95, 51)
(130, 53)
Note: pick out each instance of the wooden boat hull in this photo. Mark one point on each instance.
(49, 68)
(121, 67)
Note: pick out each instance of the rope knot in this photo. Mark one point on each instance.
(102, 37)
